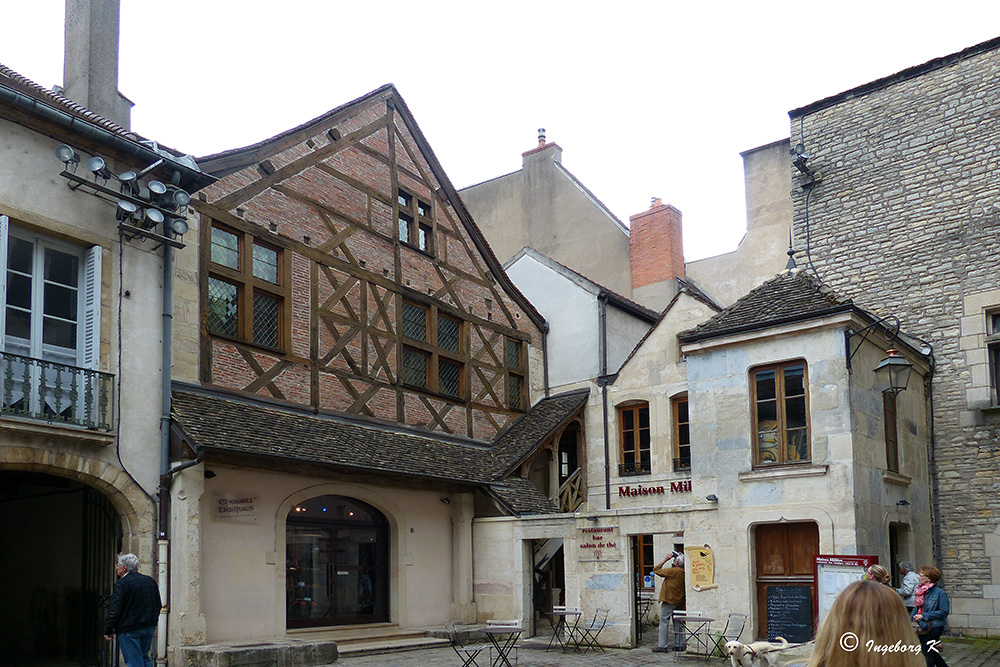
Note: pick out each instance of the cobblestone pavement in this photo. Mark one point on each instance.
(959, 652)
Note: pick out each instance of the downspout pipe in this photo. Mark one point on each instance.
(545, 356)
(163, 525)
(602, 380)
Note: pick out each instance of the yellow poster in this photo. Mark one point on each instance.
(702, 567)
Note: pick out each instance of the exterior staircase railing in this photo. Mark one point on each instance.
(571, 493)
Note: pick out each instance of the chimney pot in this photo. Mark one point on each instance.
(541, 137)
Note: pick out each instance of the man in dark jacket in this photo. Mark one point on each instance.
(133, 612)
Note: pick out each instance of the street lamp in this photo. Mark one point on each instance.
(893, 372)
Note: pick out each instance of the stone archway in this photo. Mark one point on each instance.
(67, 515)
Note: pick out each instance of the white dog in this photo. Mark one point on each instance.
(755, 654)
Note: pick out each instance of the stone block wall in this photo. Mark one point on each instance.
(906, 220)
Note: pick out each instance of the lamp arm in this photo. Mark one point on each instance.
(867, 330)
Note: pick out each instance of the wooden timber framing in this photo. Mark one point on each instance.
(327, 196)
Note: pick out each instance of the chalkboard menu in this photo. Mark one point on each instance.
(789, 612)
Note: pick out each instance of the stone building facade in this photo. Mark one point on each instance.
(904, 217)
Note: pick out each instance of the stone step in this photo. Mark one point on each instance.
(394, 645)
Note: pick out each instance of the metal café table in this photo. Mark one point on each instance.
(693, 628)
(503, 638)
(563, 627)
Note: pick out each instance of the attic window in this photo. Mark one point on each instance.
(415, 222)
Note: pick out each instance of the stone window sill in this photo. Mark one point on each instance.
(784, 472)
(891, 477)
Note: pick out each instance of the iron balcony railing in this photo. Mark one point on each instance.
(682, 463)
(57, 393)
(634, 468)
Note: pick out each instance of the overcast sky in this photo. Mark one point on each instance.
(647, 99)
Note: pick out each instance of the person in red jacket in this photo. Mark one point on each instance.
(671, 599)
(133, 611)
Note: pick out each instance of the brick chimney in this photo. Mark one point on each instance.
(656, 245)
(90, 64)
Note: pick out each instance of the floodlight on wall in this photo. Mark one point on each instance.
(156, 189)
(178, 226)
(145, 210)
(893, 373)
(129, 182)
(712, 498)
(126, 211)
(68, 157)
(173, 199)
(151, 218)
(99, 168)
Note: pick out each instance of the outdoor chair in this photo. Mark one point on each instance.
(735, 623)
(467, 654)
(588, 632)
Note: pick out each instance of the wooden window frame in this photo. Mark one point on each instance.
(518, 371)
(781, 400)
(433, 351)
(645, 556)
(891, 432)
(682, 459)
(993, 354)
(247, 285)
(641, 465)
(418, 216)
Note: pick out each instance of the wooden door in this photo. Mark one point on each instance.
(784, 553)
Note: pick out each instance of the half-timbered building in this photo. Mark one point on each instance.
(349, 349)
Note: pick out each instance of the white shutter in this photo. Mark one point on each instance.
(91, 357)
(4, 227)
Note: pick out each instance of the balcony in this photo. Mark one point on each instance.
(56, 393)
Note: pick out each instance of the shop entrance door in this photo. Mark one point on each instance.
(784, 556)
(336, 563)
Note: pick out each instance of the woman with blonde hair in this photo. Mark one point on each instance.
(879, 574)
(867, 627)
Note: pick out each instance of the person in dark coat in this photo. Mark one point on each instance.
(133, 612)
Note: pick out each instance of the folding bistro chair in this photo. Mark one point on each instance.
(735, 623)
(468, 654)
(587, 633)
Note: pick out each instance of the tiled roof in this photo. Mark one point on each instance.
(22, 84)
(242, 425)
(788, 297)
(521, 496)
(248, 427)
(533, 428)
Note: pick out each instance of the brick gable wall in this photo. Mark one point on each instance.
(330, 204)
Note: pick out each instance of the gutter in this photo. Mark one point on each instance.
(193, 178)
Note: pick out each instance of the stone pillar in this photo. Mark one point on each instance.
(463, 605)
(186, 624)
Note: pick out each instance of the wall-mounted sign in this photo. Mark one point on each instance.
(599, 544)
(834, 574)
(236, 506)
(702, 567)
(640, 490)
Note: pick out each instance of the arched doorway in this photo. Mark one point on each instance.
(57, 572)
(337, 563)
